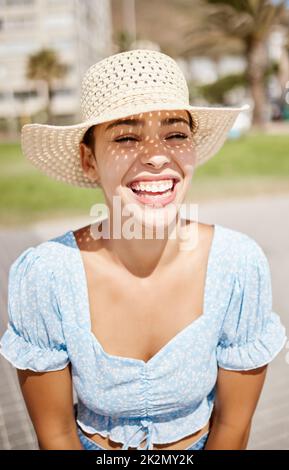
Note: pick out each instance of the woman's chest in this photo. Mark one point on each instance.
(137, 317)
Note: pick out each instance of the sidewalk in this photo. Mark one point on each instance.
(263, 218)
(277, 127)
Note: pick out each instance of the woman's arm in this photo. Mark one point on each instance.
(237, 395)
(49, 400)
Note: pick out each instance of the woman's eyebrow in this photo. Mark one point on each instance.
(137, 122)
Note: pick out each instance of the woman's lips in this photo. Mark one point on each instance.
(156, 200)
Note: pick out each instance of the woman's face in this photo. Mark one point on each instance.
(146, 160)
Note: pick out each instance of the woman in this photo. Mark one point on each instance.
(163, 325)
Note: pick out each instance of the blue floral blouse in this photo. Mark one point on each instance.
(172, 394)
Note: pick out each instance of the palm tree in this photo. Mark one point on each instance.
(240, 26)
(46, 66)
(123, 40)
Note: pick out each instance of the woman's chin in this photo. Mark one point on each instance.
(156, 220)
(153, 214)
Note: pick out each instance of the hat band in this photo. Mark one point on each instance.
(136, 100)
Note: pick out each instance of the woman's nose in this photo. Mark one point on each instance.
(157, 160)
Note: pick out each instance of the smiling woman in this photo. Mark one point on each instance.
(163, 341)
(162, 138)
(122, 124)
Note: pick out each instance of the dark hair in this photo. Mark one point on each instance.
(88, 138)
(193, 123)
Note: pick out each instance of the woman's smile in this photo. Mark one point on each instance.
(155, 191)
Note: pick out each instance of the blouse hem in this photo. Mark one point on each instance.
(21, 367)
(270, 356)
(22, 354)
(92, 430)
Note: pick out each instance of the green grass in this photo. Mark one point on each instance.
(251, 165)
(254, 155)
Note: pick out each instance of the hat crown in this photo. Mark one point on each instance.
(139, 76)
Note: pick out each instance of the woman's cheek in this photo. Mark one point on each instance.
(189, 162)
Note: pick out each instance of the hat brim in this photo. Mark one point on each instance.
(55, 149)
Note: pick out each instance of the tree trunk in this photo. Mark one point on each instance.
(48, 110)
(257, 62)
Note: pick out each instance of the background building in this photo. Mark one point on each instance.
(78, 30)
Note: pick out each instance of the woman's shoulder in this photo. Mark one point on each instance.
(43, 257)
(239, 245)
(252, 333)
(239, 255)
(34, 337)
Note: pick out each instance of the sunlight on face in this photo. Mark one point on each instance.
(151, 144)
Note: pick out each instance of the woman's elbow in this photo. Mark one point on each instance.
(59, 441)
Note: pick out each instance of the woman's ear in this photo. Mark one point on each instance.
(88, 162)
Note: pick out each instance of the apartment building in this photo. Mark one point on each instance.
(80, 31)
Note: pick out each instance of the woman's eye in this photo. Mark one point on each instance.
(125, 139)
(182, 136)
(133, 139)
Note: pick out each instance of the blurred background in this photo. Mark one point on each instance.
(231, 52)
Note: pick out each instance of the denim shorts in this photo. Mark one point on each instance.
(89, 444)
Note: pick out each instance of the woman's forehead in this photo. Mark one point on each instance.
(148, 116)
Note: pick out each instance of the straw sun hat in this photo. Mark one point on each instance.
(117, 86)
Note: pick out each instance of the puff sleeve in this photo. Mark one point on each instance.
(251, 334)
(34, 337)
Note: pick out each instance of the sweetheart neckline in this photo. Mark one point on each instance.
(157, 354)
(176, 336)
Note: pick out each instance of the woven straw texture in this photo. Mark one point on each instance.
(118, 86)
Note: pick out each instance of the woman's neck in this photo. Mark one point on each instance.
(146, 253)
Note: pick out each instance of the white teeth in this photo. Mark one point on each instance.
(154, 187)
(159, 196)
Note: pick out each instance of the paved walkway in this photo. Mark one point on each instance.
(277, 127)
(266, 220)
